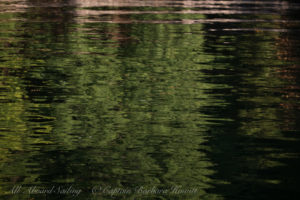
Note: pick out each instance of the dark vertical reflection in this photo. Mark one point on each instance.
(257, 153)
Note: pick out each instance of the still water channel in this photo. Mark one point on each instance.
(154, 100)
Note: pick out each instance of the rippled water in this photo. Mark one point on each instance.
(160, 99)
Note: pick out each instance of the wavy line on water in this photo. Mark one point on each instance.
(188, 21)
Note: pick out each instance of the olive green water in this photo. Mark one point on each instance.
(174, 100)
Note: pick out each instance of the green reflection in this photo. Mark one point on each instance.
(176, 105)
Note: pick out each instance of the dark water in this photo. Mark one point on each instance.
(184, 100)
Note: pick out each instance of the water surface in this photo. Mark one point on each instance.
(149, 99)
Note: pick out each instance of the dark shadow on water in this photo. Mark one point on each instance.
(257, 154)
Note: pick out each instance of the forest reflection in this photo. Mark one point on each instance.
(160, 94)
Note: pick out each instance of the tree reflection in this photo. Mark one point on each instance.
(110, 104)
(92, 99)
(260, 154)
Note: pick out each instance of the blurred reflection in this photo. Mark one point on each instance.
(163, 94)
(257, 138)
(106, 105)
